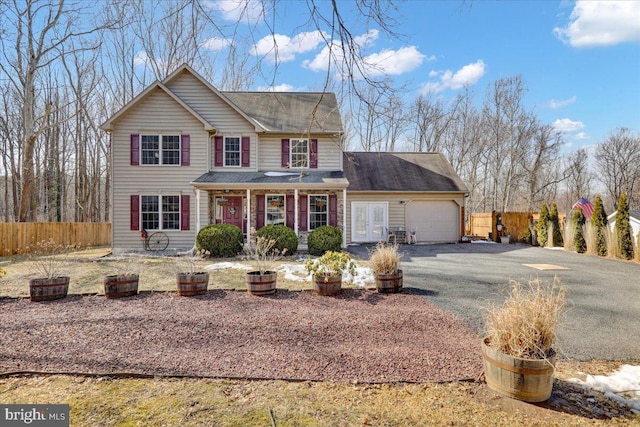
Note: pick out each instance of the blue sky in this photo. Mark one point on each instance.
(580, 60)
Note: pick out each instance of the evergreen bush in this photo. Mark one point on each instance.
(578, 221)
(323, 239)
(541, 228)
(623, 228)
(220, 240)
(557, 231)
(286, 241)
(599, 221)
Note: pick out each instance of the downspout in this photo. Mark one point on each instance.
(344, 217)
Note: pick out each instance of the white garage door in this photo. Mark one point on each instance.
(435, 221)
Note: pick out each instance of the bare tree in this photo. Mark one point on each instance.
(618, 163)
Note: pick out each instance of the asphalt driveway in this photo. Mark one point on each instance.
(604, 295)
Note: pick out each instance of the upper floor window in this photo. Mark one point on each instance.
(160, 149)
(232, 151)
(299, 153)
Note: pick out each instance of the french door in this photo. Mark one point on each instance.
(368, 221)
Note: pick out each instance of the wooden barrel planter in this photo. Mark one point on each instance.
(48, 289)
(121, 285)
(191, 284)
(261, 284)
(529, 380)
(389, 283)
(331, 286)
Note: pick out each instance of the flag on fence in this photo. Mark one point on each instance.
(585, 206)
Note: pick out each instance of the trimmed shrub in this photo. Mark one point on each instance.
(285, 238)
(599, 221)
(221, 240)
(323, 239)
(541, 228)
(623, 228)
(557, 231)
(578, 221)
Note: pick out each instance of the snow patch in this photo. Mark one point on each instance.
(225, 265)
(622, 386)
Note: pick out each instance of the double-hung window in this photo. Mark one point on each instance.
(160, 149)
(232, 151)
(299, 153)
(275, 209)
(318, 211)
(160, 212)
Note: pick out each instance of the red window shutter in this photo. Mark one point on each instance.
(219, 151)
(302, 210)
(135, 212)
(184, 212)
(333, 210)
(259, 211)
(246, 145)
(313, 154)
(291, 211)
(285, 153)
(135, 150)
(185, 148)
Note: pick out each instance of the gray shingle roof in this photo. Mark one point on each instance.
(290, 112)
(425, 172)
(331, 179)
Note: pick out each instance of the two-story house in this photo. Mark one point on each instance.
(185, 155)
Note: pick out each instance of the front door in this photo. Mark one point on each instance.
(368, 220)
(232, 212)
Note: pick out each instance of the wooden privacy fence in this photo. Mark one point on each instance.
(515, 224)
(20, 237)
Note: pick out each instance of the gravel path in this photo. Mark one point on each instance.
(356, 336)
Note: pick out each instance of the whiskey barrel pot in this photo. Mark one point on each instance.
(192, 284)
(389, 283)
(121, 285)
(529, 380)
(48, 289)
(331, 286)
(261, 284)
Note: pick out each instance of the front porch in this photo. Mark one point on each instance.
(301, 201)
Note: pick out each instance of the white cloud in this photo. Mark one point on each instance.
(367, 39)
(284, 87)
(285, 48)
(601, 23)
(567, 125)
(249, 11)
(215, 43)
(468, 75)
(581, 136)
(393, 62)
(559, 104)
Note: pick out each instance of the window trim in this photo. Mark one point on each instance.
(160, 149)
(266, 208)
(224, 151)
(309, 196)
(160, 212)
(292, 142)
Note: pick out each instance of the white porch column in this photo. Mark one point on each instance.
(296, 225)
(344, 218)
(248, 215)
(197, 210)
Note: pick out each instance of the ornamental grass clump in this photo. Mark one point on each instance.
(525, 325)
(385, 259)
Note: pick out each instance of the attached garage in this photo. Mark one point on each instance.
(434, 221)
(418, 191)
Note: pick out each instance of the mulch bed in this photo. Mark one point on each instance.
(358, 336)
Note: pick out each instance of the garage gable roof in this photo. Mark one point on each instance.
(416, 172)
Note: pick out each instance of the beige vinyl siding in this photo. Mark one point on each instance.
(270, 147)
(158, 112)
(253, 152)
(214, 109)
(397, 210)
